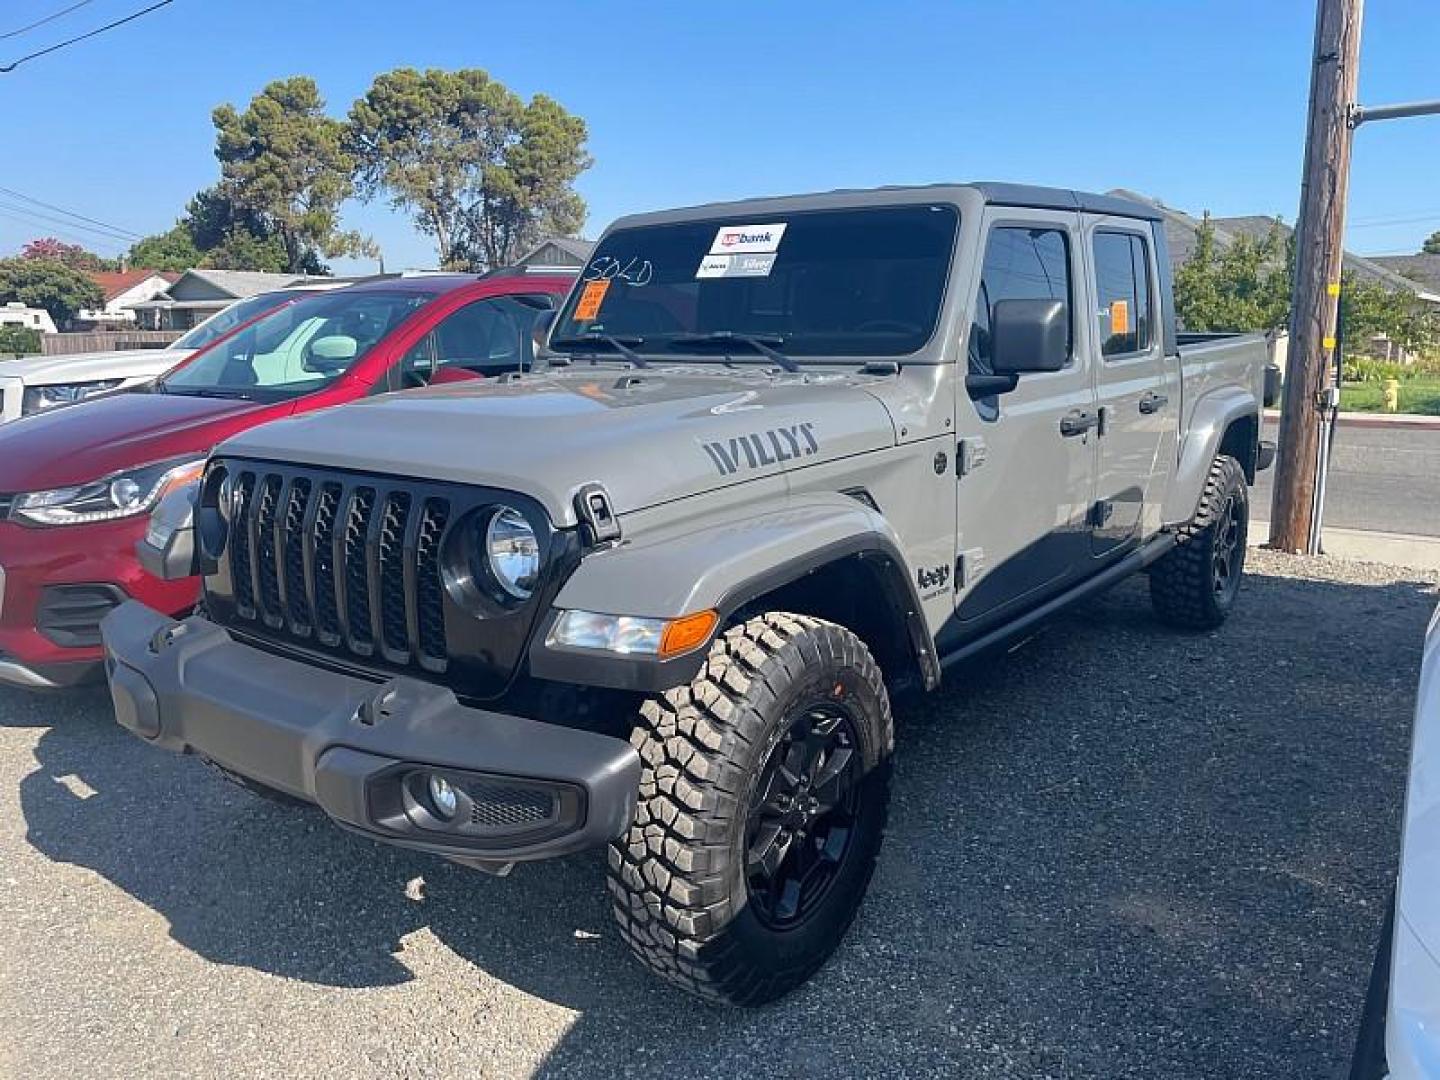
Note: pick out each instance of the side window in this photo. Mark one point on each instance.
(1020, 264)
(1122, 280)
(488, 337)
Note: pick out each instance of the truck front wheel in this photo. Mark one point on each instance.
(1194, 585)
(763, 797)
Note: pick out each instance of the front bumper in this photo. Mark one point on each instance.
(54, 585)
(363, 750)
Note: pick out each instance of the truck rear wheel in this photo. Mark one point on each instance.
(1194, 586)
(763, 797)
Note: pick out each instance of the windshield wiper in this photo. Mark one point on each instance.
(228, 395)
(621, 345)
(765, 344)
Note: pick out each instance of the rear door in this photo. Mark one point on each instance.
(1137, 386)
(1021, 517)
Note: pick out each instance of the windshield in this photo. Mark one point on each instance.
(298, 349)
(861, 282)
(227, 319)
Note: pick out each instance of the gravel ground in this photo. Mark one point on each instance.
(1116, 851)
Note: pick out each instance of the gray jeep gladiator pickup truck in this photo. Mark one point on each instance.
(785, 456)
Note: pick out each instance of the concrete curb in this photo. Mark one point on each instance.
(1375, 420)
(1363, 545)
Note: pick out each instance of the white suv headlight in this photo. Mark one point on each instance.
(44, 398)
(120, 495)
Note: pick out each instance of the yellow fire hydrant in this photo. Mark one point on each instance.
(1392, 395)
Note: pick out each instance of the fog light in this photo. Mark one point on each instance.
(443, 797)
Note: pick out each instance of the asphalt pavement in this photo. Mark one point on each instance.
(1385, 479)
(1117, 851)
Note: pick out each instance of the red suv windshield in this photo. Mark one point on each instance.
(298, 349)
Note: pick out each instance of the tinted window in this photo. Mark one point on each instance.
(1122, 279)
(863, 282)
(299, 348)
(489, 337)
(1020, 264)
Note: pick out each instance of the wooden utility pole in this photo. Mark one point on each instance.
(1319, 249)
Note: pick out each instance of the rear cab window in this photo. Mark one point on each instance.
(1124, 293)
(861, 282)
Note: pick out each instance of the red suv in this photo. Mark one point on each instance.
(77, 485)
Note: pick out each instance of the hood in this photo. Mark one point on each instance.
(80, 443)
(91, 367)
(650, 436)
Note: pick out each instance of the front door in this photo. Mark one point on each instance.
(1022, 530)
(1137, 388)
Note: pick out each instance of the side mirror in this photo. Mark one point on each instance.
(1029, 336)
(1272, 385)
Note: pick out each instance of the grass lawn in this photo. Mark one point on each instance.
(1421, 396)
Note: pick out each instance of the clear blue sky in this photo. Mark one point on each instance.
(1199, 102)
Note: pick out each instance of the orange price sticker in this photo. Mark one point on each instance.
(591, 297)
(1120, 317)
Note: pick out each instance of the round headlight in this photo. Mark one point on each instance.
(225, 496)
(512, 552)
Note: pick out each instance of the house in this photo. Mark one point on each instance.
(568, 252)
(1424, 270)
(32, 318)
(122, 291)
(197, 294)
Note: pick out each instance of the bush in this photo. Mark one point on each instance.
(18, 340)
(1362, 369)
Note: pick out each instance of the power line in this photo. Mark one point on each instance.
(70, 213)
(63, 234)
(48, 18)
(39, 216)
(1387, 223)
(5, 69)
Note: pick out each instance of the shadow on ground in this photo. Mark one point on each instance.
(1116, 851)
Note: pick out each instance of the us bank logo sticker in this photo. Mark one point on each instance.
(747, 239)
(728, 266)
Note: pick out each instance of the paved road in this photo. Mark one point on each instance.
(1380, 478)
(1116, 852)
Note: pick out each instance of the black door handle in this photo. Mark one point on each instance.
(1078, 422)
(1153, 403)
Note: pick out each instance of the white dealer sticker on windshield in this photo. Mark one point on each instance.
(747, 239)
(714, 266)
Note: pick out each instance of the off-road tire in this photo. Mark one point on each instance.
(679, 878)
(1185, 589)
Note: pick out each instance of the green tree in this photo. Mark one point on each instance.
(18, 340)
(284, 161)
(1431, 246)
(48, 284)
(1243, 286)
(476, 167)
(171, 250)
(216, 234)
(1370, 309)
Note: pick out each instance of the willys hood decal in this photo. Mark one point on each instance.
(650, 436)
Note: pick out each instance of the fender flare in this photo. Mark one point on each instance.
(1209, 421)
(725, 561)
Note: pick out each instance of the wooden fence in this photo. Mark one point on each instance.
(105, 341)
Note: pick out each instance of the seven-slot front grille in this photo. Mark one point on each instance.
(352, 563)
